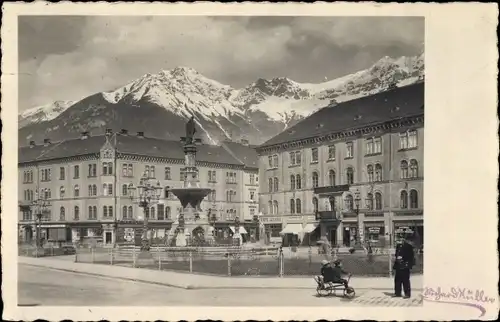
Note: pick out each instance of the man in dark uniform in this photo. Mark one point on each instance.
(405, 259)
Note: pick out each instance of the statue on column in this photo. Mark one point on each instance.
(190, 130)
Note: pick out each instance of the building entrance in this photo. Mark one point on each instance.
(346, 238)
(332, 236)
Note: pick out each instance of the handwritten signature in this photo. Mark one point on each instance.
(475, 298)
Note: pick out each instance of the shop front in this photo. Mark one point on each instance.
(252, 227)
(273, 225)
(412, 230)
(311, 231)
(300, 230)
(130, 232)
(375, 233)
(292, 232)
(87, 234)
(349, 233)
(55, 234)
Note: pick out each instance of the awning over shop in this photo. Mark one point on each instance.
(309, 228)
(241, 231)
(292, 229)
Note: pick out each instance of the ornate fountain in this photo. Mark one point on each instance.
(192, 220)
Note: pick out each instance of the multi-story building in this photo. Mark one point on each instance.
(85, 181)
(351, 171)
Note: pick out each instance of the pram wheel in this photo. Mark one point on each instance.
(324, 290)
(349, 292)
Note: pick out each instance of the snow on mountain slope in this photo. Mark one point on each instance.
(178, 88)
(259, 111)
(43, 113)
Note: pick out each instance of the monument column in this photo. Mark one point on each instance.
(191, 194)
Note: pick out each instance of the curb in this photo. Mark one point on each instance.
(194, 287)
(187, 287)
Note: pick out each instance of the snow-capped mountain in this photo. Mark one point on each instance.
(159, 104)
(43, 113)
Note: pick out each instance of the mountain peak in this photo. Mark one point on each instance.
(260, 110)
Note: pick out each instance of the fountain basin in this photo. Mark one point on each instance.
(190, 196)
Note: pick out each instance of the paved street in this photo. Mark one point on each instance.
(42, 286)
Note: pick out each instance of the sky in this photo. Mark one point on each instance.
(71, 57)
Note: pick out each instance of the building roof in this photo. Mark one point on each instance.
(62, 149)
(246, 154)
(234, 153)
(389, 105)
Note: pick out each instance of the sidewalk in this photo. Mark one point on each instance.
(194, 281)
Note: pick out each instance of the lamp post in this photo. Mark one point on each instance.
(237, 228)
(148, 193)
(357, 199)
(38, 206)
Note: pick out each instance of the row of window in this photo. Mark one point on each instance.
(273, 184)
(127, 171)
(373, 146)
(108, 191)
(107, 212)
(30, 194)
(159, 212)
(28, 176)
(230, 177)
(374, 174)
(373, 201)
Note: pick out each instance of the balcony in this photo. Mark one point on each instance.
(331, 189)
(326, 215)
(349, 214)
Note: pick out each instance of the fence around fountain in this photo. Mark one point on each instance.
(238, 261)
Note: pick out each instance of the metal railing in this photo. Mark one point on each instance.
(237, 261)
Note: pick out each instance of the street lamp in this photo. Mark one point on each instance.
(357, 199)
(38, 206)
(237, 228)
(148, 193)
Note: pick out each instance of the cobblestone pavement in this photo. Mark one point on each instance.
(384, 299)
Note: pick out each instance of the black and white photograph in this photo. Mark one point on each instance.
(279, 151)
(222, 161)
